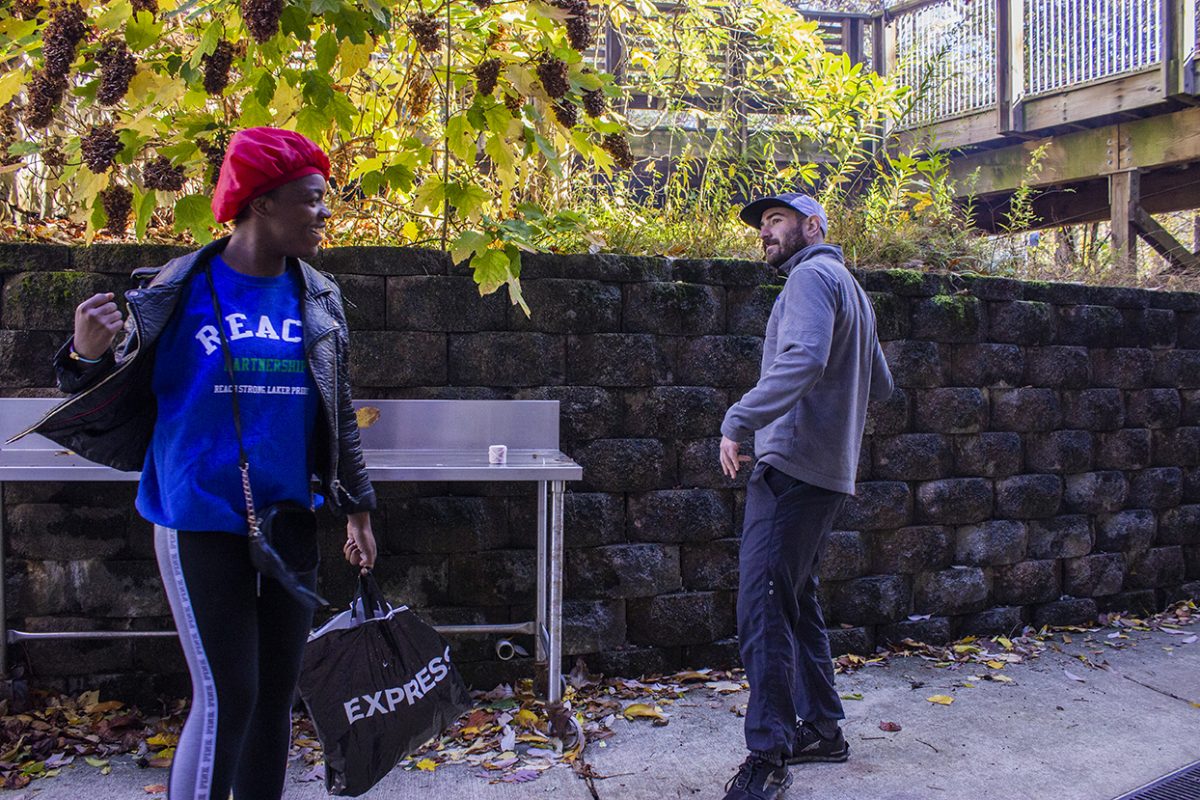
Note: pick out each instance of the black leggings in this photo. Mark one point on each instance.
(243, 645)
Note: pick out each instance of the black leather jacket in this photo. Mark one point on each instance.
(110, 415)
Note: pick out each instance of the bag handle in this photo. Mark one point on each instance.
(370, 599)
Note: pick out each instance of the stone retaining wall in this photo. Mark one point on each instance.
(1038, 463)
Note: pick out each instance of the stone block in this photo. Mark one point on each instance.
(748, 308)
(1069, 611)
(25, 358)
(922, 548)
(1060, 537)
(1178, 447)
(877, 505)
(584, 412)
(917, 364)
(1025, 410)
(711, 565)
(58, 531)
(958, 590)
(1094, 575)
(1181, 593)
(80, 657)
(42, 588)
(1122, 367)
(623, 570)
(443, 303)
(507, 359)
(999, 621)
(1028, 496)
(892, 316)
(680, 515)
(1026, 582)
(1191, 485)
(608, 267)
(1155, 488)
(1094, 409)
(568, 306)
(678, 309)
(1180, 525)
(989, 543)
(612, 359)
(1096, 492)
(1153, 408)
(1191, 561)
(912, 456)
(445, 525)
(502, 578)
(845, 556)
(674, 411)
(1123, 449)
(396, 359)
(1022, 322)
(700, 466)
(1150, 327)
(1188, 334)
(948, 318)
(1154, 568)
(1177, 368)
(954, 501)
(1059, 367)
(668, 620)
(360, 260)
(28, 256)
(415, 580)
(857, 640)
(721, 654)
(992, 288)
(591, 626)
(626, 465)
(1127, 531)
(1190, 411)
(872, 600)
(1092, 326)
(1064, 451)
(1139, 602)
(111, 588)
(904, 282)
(630, 661)
(590, 519)
(720, 361)
(890, 416)
(365, 302)
(46, 301)
(987, 365)
(988, 455)
(956, 410)
(935, 630)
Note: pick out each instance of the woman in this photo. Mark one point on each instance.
(164, 404)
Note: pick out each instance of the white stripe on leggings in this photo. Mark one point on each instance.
(205, 701)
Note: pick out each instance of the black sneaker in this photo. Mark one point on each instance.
(758, 779)
(811, 746)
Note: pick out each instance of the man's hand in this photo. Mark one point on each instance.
(359, 548)
(730, 460)
(97, 323)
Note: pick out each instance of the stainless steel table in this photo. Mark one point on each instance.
(403, 440)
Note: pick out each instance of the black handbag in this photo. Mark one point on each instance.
(283, 539)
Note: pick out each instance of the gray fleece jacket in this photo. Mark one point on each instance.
(821, 362)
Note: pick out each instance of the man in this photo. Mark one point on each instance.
(821, 362)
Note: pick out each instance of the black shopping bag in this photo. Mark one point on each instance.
(378, 683)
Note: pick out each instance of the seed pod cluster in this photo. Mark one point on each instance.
(579, 25)
(8, 135)
(161, 176)
(27, 9)
(487, 72)
(617, 146)
(100, 147)
(552, 72)
(514, 103)
(427, 31)
(53, 156)
(62, 36)
(420, 96)
(118, 202)
(45, 91)
(214, 153)
(566, 113)
(262, 18)
(216, 68)
(483, 5)
(144, 5)
(594, 102)
(117, 67)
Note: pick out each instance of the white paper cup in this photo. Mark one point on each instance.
(497, 454)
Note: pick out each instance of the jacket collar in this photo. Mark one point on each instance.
(813, 251)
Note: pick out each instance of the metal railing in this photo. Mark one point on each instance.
(1069, 42)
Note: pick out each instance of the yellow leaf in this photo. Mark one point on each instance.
(1001, 678)
(89, 699)
(426, 764)
(1004, 642)
(996, 664)
(636, 710)
(526, 718)
(95, 762)
(531, 737)
(163, 740)
(940, 699)
(105, 707)
(10, 84)
(367, 416)
(684, 677)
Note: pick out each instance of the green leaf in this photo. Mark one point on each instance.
(142, 30)
(311, 122)
(492, 270)
(208, 41)
(254, 114)
(264, 90)
(343, 111)
(327, 51)
(295, 22)
(319, 7)
(114, 16)
(430, 195)
(144, 205)
(460, 136)
(466, 198)
(400, 177)
(467, 244)
(501, 154)
(23, 148)
(194, 213)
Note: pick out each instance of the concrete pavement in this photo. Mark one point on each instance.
(1044, 736)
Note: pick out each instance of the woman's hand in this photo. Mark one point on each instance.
(359, 548)
(97, 323)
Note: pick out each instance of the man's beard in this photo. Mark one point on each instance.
(788, 246)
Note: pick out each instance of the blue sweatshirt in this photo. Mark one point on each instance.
(190, 480)
(821, 362)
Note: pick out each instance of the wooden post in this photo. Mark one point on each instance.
(614, 52)
(1124, 197)
(1169, 45)
(853, 34)
(1010, 64)
(883, 44)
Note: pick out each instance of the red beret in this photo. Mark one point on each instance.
(258, 160)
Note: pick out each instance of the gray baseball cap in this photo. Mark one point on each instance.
(752, 213)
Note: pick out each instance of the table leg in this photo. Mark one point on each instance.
(554, 691)
(3, 605)
(539, 638)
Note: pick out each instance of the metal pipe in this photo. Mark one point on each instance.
(4, 632)
(470, 630)
(554, 668)
(19, 636)
(505, 650)
(538, 645)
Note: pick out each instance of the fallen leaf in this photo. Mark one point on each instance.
(890, 727)
(636, 710)
(940, 699)
(96, 762)
(103, 708)
(317, 773)
(521, 776)
(163, 740)
(1189, 640)
(1000, 678)
(427, 764)
(1073, 676)
(724, 687)
(367, 416)
(1004, 642)
(154, 788)
(852, 696)
(995, 664)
